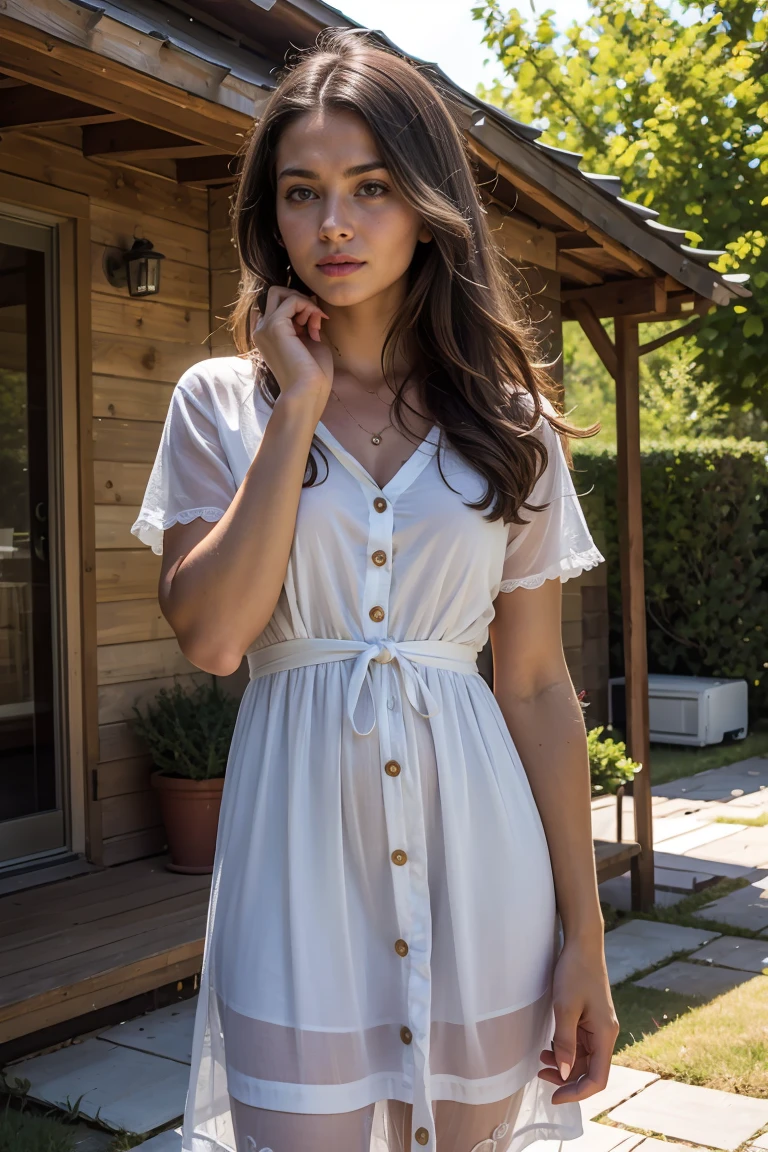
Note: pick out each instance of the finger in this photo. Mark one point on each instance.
(599, 1066)
(564, 1039)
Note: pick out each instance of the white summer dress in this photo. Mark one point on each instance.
(382, 923)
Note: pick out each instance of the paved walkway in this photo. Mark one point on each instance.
(135, 1075)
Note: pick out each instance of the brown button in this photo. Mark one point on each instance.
(380, 504)
(421, 1136)
(379, 557)
(392, 768)
(406, 1035)
(401, 947)
(377, 613)
(398, 856)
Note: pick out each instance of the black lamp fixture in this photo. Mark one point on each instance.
(138, 268)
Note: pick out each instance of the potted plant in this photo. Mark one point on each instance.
(609, 766)
(188, 734)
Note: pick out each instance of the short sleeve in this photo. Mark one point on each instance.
(556, 541)
(190, 477)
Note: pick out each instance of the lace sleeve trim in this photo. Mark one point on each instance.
(565, 568)
(150, 531)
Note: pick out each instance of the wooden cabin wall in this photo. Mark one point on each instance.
(140, 348)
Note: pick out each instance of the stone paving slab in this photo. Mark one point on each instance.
(736, 952)
(665, 827)
(749, 846)
(706, 1116)
(639, 944)
(129, 1089)
(760, 1142)
(596, 1138)
(651, 1144)
(622, 1083)
(745, 908)
(701, 837)
(679, 880)
(90, 1139)
(702, 981)
(698, 861)
(164, 1032)
(169, 1141)
(618, 893)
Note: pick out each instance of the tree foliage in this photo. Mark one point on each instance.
(678, 109)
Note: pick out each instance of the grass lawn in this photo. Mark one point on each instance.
(721, 1044)
(672, 761)
(20, 1132)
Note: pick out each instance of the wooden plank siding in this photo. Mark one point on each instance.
(140, 348)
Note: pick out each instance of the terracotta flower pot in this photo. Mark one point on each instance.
(190, 811)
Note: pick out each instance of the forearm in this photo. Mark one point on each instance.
(222, 594)
(548, 730)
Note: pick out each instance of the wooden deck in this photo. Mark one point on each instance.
(74, 946)
(81, 944)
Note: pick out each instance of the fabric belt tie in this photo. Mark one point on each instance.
(405, 654)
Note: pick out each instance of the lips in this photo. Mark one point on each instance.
(343, 267)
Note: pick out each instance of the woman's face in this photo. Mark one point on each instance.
(334, 197)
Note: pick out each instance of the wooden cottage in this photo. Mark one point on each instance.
(121, 122)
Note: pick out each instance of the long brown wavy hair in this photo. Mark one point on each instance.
(466, 327)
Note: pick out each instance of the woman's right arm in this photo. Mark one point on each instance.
(220, 582)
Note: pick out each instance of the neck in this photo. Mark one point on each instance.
(356, 336)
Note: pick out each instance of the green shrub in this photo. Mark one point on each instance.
(705, 514)
(609, 765)
(189, 732)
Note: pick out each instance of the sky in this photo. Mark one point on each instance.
(443, 31)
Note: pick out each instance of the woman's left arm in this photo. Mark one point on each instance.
(537, 698)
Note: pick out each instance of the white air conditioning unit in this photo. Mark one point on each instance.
(697, 710)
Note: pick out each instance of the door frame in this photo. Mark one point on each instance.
(70, 213)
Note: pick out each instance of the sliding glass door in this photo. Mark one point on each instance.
(32, 796)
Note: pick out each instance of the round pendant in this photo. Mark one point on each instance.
(375, 439)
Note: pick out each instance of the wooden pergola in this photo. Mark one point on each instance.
(117, 123)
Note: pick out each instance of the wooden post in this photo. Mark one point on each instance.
(628, 462)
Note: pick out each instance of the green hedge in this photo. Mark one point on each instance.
(705, 513)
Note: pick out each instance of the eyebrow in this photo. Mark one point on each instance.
(356, 170)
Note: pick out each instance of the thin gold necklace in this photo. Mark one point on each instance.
(375, 436)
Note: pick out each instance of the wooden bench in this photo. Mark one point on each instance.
(614, 859)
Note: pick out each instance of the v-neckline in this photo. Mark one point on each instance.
(406, 473)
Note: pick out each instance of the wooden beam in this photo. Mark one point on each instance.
(207, 170)
(169, 94)
(568, 216)
(686, 330)
(573, 268)
(622, 297)
(132, 138)
(522, 242)
(596, 334)
(630, 519)
(684, 304)
(577, 241)
(26, 106)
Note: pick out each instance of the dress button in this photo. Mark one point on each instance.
(401, 947)
(380, 504)
(421, 1136)
(392, 768)
(379, 557)
(406, 1035)
(398, 856)
(377, 613)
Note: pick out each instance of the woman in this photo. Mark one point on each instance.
(344, 504)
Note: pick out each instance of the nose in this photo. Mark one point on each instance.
(334, 227)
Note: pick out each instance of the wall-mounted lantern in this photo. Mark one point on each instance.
(138, 268)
